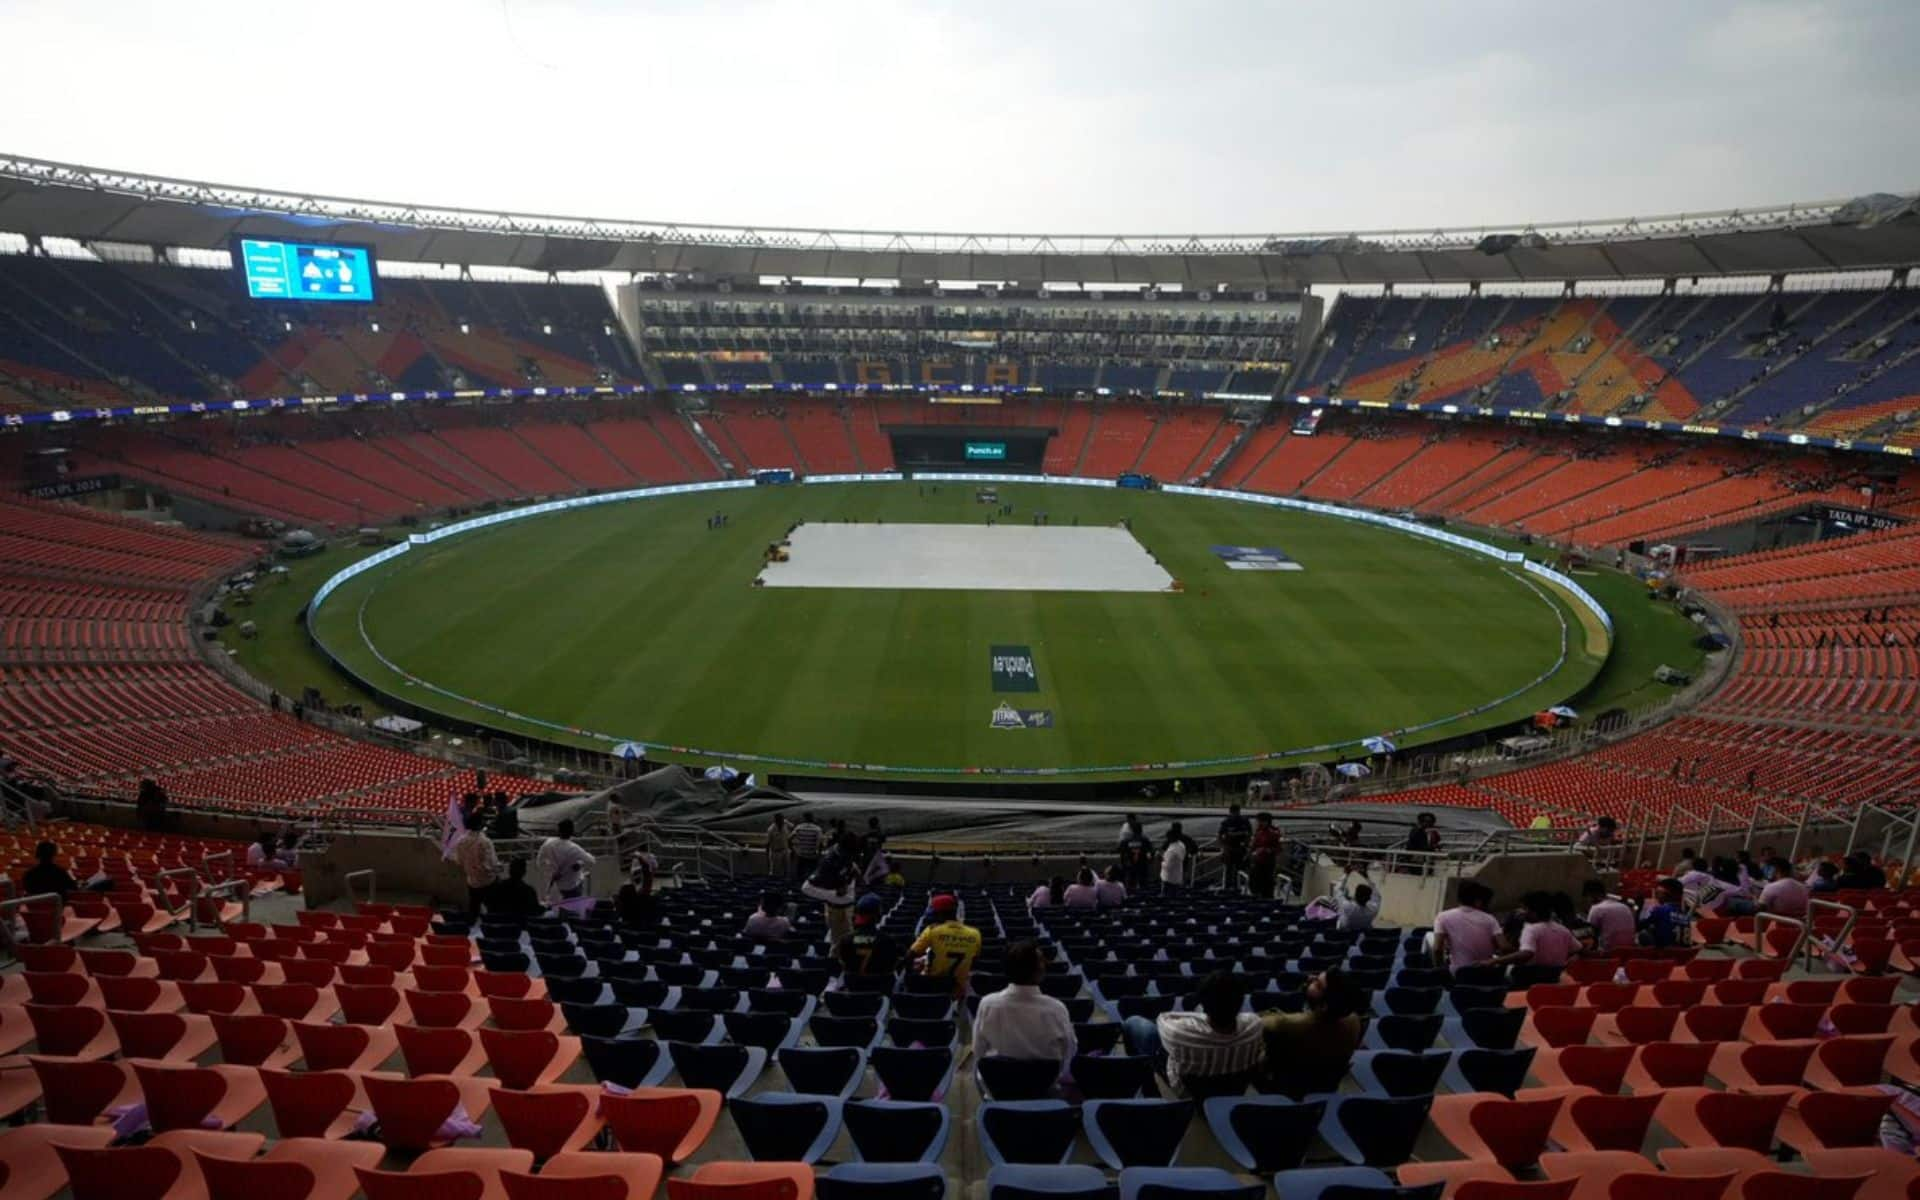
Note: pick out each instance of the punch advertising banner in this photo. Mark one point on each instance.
(1013, 669)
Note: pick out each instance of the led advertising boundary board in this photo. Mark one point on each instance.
(305, 270)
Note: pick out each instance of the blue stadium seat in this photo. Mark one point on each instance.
(1374, 1131)
(1485, 1029)
(784, 1127)
(863, 1032)
(1177, 1183)
(1410, 1035)
(576, 991)
(910, 1074)
(1337, 1183)
(1137, 1133)
(824, 1070)
(1020, 1181)
(854, 1004)
(883, 1181)
(1027, 1131)
(1399, 1073)
(729, 1070)
(697, 1028)
(1265, 1134)
(1114, 1076)
(1501, 1071)
(629, 1062)
(1005, 1078)
(768, 1031)
(897, 1131)
(602, 1020)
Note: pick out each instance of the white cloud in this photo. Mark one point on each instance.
(1134, 116)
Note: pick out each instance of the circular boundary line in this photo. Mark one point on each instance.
(1453, 542)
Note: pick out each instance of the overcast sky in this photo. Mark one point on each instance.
(1179, 116)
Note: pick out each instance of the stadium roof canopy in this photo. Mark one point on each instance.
(44, 199)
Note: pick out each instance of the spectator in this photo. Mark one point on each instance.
(1663, 922)
(47, 876)
(1784, 896)
(1467, 934)
(1084, 891)
(1612, 920)
(1310, 1052)
(946, 949)
(835, 875)
(264, 854)
(1357, 908)
(1826, 878)
(869, 949)
(514, 896)
(1176, 861)
(779, 853)
(1265, 849)
(873, 839)
(150, 802)
(475, 857)
(805, 842)
(1602, 833)
(1136, 853)
(1424, 837)
(565, 863)
(1709, 893)
(1860, 874)
(634, 901)
(1113, 893)
(1210, 1052)
(769, 923)
(1021, 1021)
(1544, 942)
(1051, 894)
(1235, 836)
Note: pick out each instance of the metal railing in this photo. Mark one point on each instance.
(347, 881)
(1806, 945)
(9, 907)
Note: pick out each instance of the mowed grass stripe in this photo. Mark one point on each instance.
(635, 620)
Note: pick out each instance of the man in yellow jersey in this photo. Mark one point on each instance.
(948, 945)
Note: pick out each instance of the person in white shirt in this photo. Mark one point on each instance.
(1113, 893)
(265, 855)
(1784, 895)
(1021, 1021)
(1173, 861)
(1467, 934)
(1544, 942)
(1357, 908)
(565, 863)
(1051, 894)
(1084, 891)
(1613, 922)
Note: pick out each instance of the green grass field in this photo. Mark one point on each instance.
(635, 621)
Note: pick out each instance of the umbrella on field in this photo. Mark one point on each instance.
(1354, 770)
(629, 750)
(1378, 745)
(721, 774)
(1564, 711)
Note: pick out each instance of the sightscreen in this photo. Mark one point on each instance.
(308, 271)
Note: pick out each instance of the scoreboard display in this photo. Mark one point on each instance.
(968, 448)
(307, 271)
(986, 451)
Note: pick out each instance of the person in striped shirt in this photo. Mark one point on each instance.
(1212, 1052)
(805, 843)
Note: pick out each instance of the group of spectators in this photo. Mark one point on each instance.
(564, 864)
(1254, 848)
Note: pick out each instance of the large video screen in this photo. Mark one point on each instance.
(305, 270)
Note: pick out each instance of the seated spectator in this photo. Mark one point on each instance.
(514, 896)
(1357, 908)
(634, 901)
(1467, 934)
(150, 802)
(1612, 920)
(1020, 1020)
(1212, 1052)
(946, 948)
(265, 854)
(1785, 896)
(1084, 891)
(1311, 1051)
(1113, 893)
(868, 950)
(1709, 894)
(46, 875)
(1051, 894)
(1860, 874)
(1544, 942)
(1664, 922)
(769, 923)
(1826, 878)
